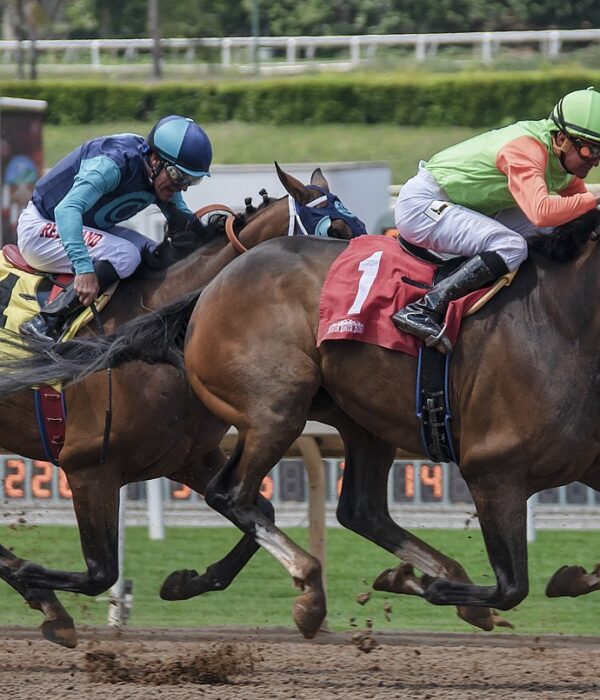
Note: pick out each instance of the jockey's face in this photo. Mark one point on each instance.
(164, 186)
(575, 158)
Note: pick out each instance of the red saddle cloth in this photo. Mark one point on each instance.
(367, 283)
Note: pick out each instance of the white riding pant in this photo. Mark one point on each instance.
(42, 248)
(426, 217)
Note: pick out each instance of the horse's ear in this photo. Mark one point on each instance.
(293, 186)
(318, 179)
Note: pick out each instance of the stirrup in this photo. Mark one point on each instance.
(31, 329)
(440, 341)
(46, 328)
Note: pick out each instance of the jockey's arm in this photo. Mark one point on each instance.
(524, 162)
(95, 179)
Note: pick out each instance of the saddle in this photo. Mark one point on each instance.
(365, 285)
(23, 292)
(446, 264)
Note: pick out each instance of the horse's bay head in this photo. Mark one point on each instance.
(320, 211)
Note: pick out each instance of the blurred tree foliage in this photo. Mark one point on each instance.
(115, 18)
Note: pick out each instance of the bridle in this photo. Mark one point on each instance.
(300, 214)
(294, 222)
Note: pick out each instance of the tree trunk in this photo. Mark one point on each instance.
(154, 31)
(20, 34)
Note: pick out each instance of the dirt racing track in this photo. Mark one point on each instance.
(274, 664)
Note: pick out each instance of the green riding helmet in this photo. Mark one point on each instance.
(578, 114)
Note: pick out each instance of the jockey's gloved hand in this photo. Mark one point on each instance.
(198, 226)
(176, 220)
(216, 222)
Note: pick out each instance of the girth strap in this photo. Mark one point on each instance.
(51, 413)
(433, 405)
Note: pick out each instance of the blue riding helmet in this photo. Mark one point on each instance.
(318, 218)
(181, 142)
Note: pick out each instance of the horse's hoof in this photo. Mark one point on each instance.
(60, 632)
(567, 581)
(181, 585)
(478, 617)
(309, 613)
(402, 579)
(500, 621)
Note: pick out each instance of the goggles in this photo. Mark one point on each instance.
(180, 178)
(585, 150)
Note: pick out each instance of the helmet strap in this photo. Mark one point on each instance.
(563, 149)
(154, 169)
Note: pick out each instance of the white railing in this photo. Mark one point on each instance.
(299, 48)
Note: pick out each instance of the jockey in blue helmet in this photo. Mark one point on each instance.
(183, 148)
(72, 223)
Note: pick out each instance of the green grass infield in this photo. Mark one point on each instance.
(263, 594)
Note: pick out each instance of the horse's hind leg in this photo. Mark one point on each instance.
(501, 503)
(573, 580)
(95, 492)
(58, 625)
(233, 493)
(363, 509)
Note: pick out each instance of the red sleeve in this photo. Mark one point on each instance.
(524, 161)
(576, 186)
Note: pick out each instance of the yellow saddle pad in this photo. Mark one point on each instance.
(20, 295)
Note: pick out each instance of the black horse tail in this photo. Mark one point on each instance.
(154, 337)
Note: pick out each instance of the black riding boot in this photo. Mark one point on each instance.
(424, 316)
(48, 324)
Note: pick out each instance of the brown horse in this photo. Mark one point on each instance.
(524, 394)
(268, 377)
(162, 430)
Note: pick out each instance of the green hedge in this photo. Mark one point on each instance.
(463, 99)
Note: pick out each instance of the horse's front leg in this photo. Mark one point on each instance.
(501, 503)
(363, 508)
(233, 493)
(95, 492)
(187, 583)
(573, 580)
(58, 625)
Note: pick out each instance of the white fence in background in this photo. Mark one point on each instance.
(289, 51)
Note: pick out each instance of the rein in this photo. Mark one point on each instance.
(108, 413)
(233, 239)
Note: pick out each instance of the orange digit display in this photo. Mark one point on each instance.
(267, 488)
(342, 466)
(64, 490)
(409, 480)
(182, 492)
(41, 483)
(432, 477)
(15, 478)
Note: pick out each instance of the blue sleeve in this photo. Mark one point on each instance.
(96, 177)
(178, 202)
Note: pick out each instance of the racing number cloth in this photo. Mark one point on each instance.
(367, 283)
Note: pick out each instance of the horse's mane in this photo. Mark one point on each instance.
(568, 240)
(183, 236)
